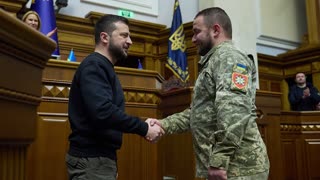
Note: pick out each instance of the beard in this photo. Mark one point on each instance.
(205, 47)
(117, 52)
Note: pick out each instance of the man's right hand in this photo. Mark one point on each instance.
(216, 174)
(153, 121)
(154, 131)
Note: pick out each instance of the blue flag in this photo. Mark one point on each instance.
(72, 57)
(139, 64)
(177, 57)
(48, 19)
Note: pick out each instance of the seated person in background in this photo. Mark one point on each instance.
(303, 96)
(32, 18)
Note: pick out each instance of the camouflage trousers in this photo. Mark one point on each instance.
(260, 176)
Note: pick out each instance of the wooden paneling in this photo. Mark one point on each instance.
(193, 68)
(139, 47)
(46, 155)
(145, 79)
(17, 120)
(316, 66)
(291, 71)
(284, 98)
(289, 158)
(312, 149)
(24, 53)
(316, 79)
(270, 73)
(268, 102)
(313, 18)
(12, 161)
(75, 33)
(175, 101)
(178, 156)
(139, 159)
(78, 33)
(270, 132)
(12, 6)
(275, 86)
(274, 71)
(263, 84)
(300, 137)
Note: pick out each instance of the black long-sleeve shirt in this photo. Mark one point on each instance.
(97, 110)
(303, 104)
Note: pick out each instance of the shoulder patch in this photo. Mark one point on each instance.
(239, 79)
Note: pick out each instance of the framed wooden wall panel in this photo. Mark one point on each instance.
(312, 157)
(270, 131)
(275, 86)
(264, 84)
(289, 160)
(46, 156)
(178, 156)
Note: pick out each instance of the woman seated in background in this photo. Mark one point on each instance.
(32, 18)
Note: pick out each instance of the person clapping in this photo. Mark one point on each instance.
(303, 96)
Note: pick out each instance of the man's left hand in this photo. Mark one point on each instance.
(216, 174)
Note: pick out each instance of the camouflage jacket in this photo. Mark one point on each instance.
(222, 115)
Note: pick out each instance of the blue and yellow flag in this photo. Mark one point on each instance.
(72, 56)
(177, 56)
(139, 64)
(45, 10)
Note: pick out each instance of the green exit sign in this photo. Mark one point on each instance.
(125, 13)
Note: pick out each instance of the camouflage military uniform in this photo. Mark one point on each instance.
(222, 115)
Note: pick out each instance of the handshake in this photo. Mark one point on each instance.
(155, 130)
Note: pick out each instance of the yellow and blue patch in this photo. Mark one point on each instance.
(239, 79)
(241, 67)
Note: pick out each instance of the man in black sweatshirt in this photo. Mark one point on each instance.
(97, 106)
(303, 96)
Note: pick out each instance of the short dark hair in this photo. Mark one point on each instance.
(217, 15)
(107, 24)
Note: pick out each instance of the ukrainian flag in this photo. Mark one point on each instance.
(72, 56)
(177, 57)
(45, 10)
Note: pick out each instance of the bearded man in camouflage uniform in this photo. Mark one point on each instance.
(222, 115)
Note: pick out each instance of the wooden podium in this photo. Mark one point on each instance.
(23, 55)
